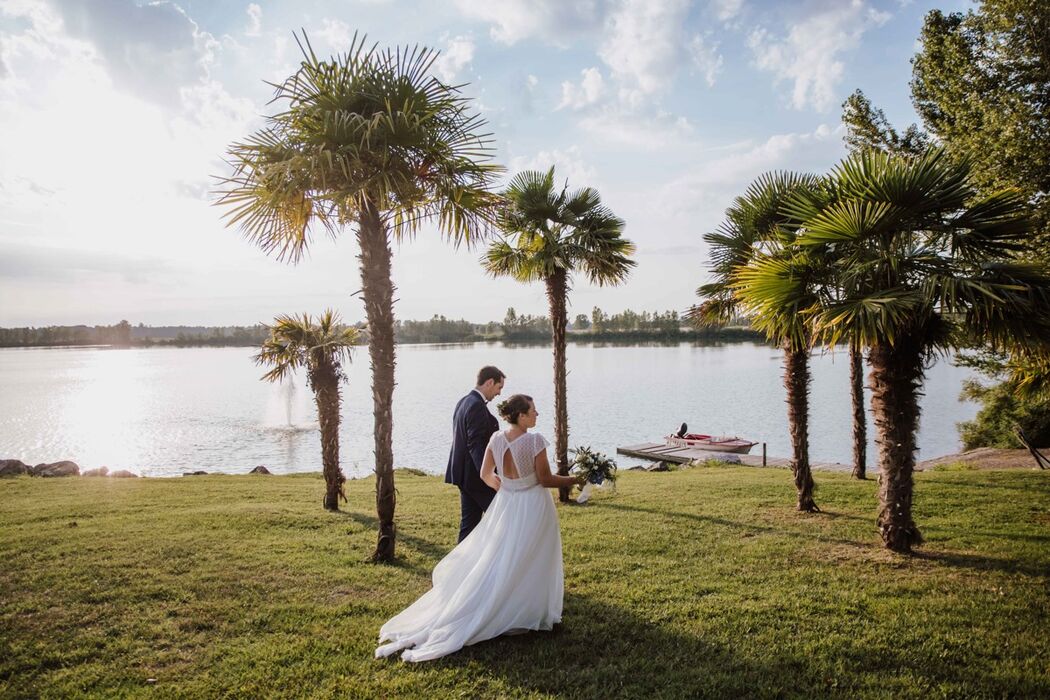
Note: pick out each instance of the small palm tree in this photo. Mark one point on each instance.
(550, 233)
(321, 348)
(923, 265)
(752, 243)
(367, 140)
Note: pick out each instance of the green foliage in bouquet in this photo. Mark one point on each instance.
(593, 465)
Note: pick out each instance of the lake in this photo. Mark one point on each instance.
(163, 411)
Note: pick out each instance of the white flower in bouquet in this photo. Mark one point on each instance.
(598, 470)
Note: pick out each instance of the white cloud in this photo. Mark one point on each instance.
(532, 81)
(711, 183)
(458, 54)
(809, 55)
(647, 132)
(646, 44)
(568, 165)
(150, 49)
(29, 260)
(254, 20)
(590, 90)
(643, 45)
(337, 33)
(706, 57)
(726, 10)
(554, 21)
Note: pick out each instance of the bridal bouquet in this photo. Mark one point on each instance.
(596, 467)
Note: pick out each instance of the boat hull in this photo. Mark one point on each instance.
(735, 446)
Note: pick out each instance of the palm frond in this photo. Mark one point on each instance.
(849, 220)
(715, 311)
(517, 261)
(776, 292)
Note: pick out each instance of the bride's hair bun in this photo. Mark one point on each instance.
(514, 407)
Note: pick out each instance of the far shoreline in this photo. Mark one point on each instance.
(979, 459)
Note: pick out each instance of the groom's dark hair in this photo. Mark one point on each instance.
(490, 372)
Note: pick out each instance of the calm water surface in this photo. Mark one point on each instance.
(163, 411)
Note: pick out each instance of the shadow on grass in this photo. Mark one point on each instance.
(834, 515)
(744, 527)
(978, 562)
(990, 534)
(604, 650)
(432, 551)
(975, 562)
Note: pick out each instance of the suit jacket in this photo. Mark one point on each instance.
(472, 426)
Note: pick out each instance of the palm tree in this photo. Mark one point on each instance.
(752, 241)
(923, 265)
(550, 234)
(369, 140)
(321, 348)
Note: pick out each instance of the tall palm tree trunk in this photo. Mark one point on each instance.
(557, 289)
(377, 289)
(796, 382)
(325, 383)
(896, 377)
(860, 427)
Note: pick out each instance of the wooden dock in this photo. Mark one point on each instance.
(661, 452)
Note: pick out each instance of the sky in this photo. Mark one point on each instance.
(115, 116)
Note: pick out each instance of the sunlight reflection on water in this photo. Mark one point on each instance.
(163, 411)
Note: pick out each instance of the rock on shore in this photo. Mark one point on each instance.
(16, 467)
(64, 468)
(13, 467)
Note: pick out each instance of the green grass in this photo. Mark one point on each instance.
(698, 582)
(953, 467)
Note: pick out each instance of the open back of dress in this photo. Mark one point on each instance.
(522, 450)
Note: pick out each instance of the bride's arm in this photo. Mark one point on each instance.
(544, 476)
(488, 470)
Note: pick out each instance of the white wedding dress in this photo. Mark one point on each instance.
(505, 577)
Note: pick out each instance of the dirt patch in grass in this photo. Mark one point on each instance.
(982, 458)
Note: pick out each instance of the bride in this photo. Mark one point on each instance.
(506, 576)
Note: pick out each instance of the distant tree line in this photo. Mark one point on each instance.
(625, 326)
(118, 334)
(437, 330)
(124, 334)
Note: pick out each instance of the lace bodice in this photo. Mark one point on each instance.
(523, 450)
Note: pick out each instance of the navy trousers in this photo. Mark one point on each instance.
(471, 507)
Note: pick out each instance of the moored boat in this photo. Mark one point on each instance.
(733, 444)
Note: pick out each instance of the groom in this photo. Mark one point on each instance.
(472, 426)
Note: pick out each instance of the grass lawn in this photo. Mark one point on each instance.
(698, 582)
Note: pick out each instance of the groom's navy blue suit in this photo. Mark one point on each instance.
(472, 426)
